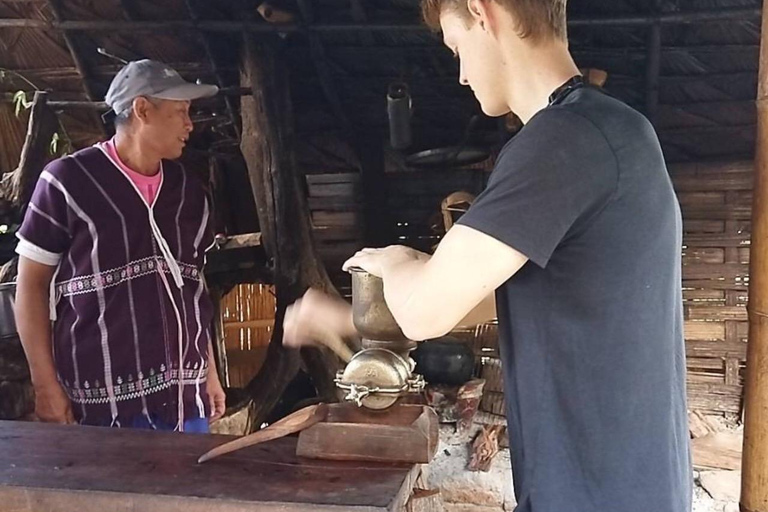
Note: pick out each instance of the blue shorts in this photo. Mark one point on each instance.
(191, 426)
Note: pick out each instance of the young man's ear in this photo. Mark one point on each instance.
(479, 10)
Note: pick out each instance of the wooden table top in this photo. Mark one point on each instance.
(52, 468)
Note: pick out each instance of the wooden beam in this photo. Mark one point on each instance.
(205, 41)
(80, 65)
(267, 148)
(360, 16)
(705, 16)
(320, 61)
(130, 10)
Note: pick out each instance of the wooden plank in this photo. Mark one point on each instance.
(492, 372)
(716, 168)
(325, 234)
(714, 403)
(731, 284)
(720, 450)
(717, 240)
(703, 295)
(721, 349)
(716, 313)
(704, 255)
(493, 402)
(704, 363)
(743, 255)
(715, 181)
(707, 198)
(709, 271)
(700, 330)
(93, 469)
(347, 189)
(343, 177)
(732, 371)
(335, 203)
(703, 226)
(699, 426)
(742, 330)
(733, 212)
(320, 218)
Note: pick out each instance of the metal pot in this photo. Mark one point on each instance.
(375, 378)
(445, 360)
(371, 316)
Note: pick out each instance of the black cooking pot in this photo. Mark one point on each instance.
(445, 360)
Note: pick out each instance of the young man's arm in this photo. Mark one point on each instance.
(429, 297)
(34, 326)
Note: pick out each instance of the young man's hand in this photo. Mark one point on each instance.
(314, 318)
(217, 399)
(375, 261)
(52, 404)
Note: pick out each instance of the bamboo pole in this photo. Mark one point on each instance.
(754, 479)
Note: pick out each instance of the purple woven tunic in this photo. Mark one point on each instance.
(128, 296)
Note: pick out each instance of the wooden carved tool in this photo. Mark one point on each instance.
(291, 424)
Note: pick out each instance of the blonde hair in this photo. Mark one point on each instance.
(536, 19)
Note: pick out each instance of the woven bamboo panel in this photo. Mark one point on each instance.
(716, 202)
(249, 317)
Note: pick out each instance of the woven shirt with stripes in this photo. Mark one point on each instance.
(131, 313)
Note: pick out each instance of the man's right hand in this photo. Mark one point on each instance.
(316, 317)
(52, 405)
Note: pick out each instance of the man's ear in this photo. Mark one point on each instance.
(141, 107)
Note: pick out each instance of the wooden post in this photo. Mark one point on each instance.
(754, 480)
(284, 219)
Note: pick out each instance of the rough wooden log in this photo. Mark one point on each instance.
(284, 218)
(16, 187)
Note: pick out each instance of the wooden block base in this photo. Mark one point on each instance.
(402, 433)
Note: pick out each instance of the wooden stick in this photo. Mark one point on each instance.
(291, 424)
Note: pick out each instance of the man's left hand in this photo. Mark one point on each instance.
(375, 261)
(216, 397)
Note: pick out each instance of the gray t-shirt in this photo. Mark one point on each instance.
(591, 328)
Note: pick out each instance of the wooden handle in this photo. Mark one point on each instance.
(292, 423)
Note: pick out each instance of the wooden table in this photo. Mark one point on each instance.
(55, 468)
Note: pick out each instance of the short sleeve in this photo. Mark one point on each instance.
(551, 178)
(44, 234)
(206, 242)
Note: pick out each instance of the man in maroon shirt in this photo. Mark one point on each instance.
(118, 270)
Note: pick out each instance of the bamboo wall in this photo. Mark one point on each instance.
(249, 317)
(716, 201)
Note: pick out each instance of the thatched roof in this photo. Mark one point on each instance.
(342, 55)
